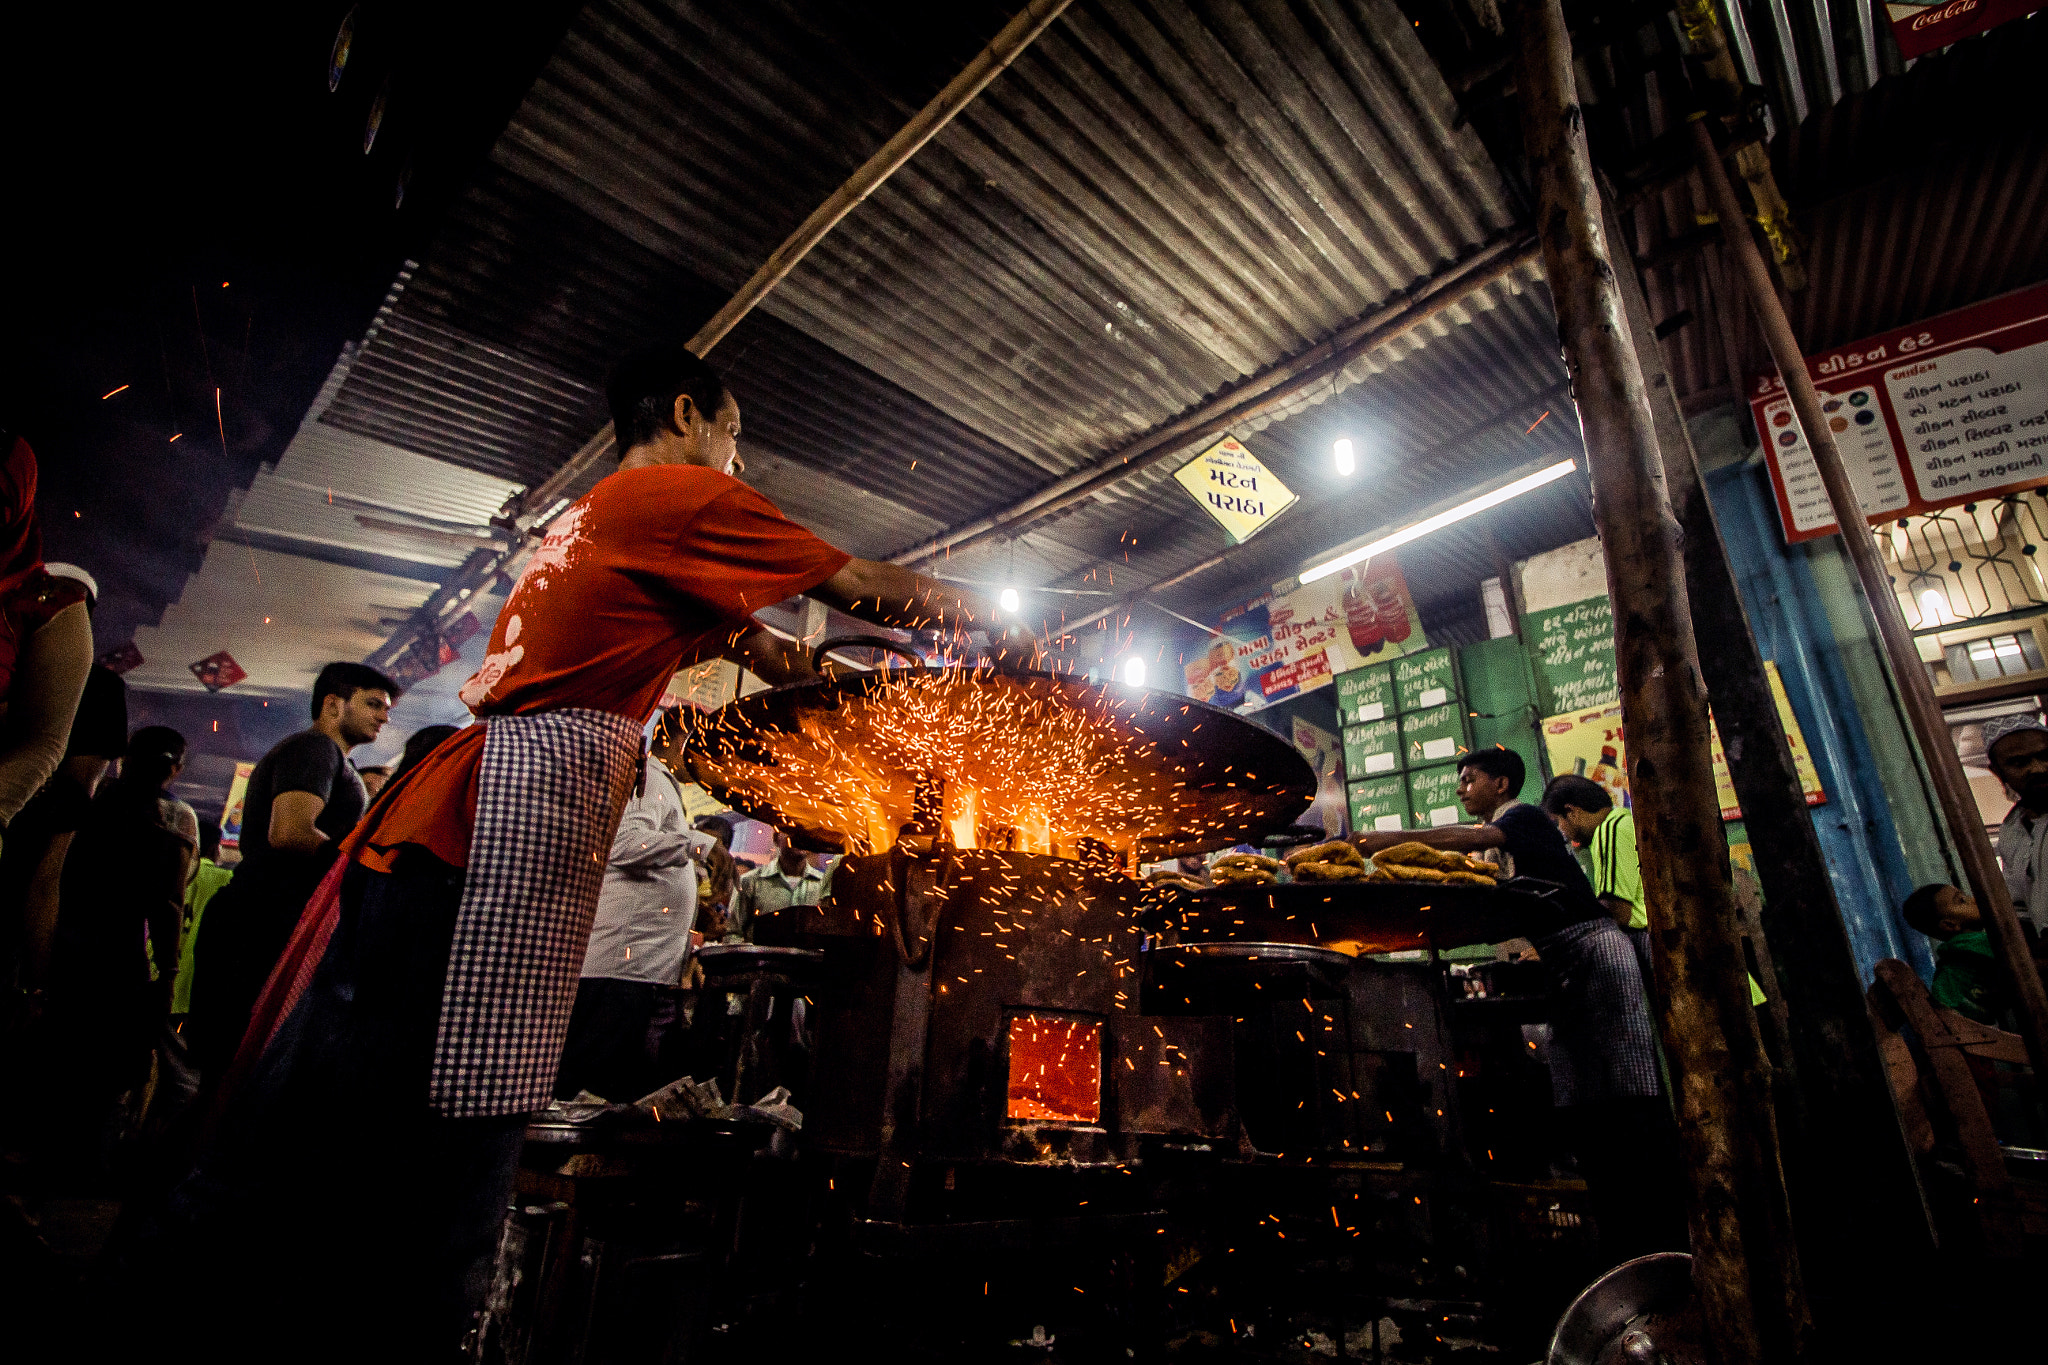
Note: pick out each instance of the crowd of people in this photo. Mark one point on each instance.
(410, 960)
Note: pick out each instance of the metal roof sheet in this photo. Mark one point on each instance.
(281, 616)
(1153, 202)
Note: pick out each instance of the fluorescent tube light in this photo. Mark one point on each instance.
(1441, 520)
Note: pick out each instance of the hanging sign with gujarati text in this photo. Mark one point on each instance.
(1237, 490)
(1949, 410)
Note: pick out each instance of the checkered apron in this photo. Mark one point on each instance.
(1602, 1043)
(549, 791)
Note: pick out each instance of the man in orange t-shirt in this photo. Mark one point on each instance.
(418, 1017)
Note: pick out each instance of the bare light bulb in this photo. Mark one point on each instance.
(1134, 672)
(1009, 599)
(1346, 463)
(1932, 607)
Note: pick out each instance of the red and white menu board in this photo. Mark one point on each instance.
(1949, 410)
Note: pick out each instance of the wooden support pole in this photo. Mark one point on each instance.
(1746, 1272)
(1916, 691)
(1855, 1189)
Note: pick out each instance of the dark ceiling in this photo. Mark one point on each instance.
(191, 210)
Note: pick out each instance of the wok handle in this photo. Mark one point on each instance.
(863, 642)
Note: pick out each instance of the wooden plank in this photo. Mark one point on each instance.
(1997, 1209)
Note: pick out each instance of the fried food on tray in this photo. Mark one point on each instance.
(1242, 869)
(1406, 872)
(1240, 876)
(1328, 872)
(1178, 881)
(1335, 851)
(1469, 878)
(1414, 854)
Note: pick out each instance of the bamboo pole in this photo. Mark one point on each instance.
(989, 63)
(526, 508)
(927, 123)
(1855, 1189)
(1958, 803)
(1746, 1272)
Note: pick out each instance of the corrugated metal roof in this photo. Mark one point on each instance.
(345, 492)
(1153, 202)
(281, 616)
(1925, 193)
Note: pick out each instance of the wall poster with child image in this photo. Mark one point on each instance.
(1299, 637)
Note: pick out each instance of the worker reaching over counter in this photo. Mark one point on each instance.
(364, 1150)
(1603, 1056)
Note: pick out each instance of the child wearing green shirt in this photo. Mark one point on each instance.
(1587, 816)
(1965, 968)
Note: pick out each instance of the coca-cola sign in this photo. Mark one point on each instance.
(1920, 29)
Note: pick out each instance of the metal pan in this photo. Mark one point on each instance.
(848, 761)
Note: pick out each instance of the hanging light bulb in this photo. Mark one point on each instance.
(1009, 599)
(1134, 671)
(1933, 607)
(1346, 463)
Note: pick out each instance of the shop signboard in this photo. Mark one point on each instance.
(1950, 410)
(1424, 680)
(1374, 748)
(1234, 488)
(1923, 26)
(1299, 638)
(1590, 744)
(1434, 735)
(1365, 694)
(1571, 651)
(1324, 752)
(1433, 797)
(1380, 804)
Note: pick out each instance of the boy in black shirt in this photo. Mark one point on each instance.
(1603, 1056)
(303, 799)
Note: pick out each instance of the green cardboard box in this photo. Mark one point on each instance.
(1379, 803)
(1433, 797)
(1365, 695)
(1372, 749)
(1424, 680)
(1432, 736)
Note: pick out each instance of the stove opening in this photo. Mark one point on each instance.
(1055, 1068)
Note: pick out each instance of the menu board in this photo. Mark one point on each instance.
(1433, 797)
(1949, 410)
(1366, 694)
(1379, 804)
(1434, 735)
(1424, 680)
(1571, 651)
(1374, 748)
